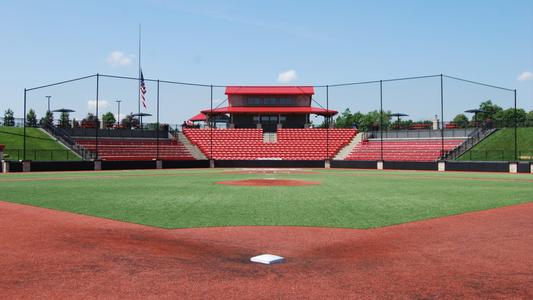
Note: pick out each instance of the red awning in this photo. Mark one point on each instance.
(198, 118)
(270, 90)
(271, 110)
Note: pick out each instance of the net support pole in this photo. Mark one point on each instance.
(442, 115)
(328, 122)
(211, 123)
(381, 117)
(24, 142)
(157, 128)
(97, 129)
(515, 130)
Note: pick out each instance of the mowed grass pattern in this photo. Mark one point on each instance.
(191, 198)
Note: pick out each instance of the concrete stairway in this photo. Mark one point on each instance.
(193, 150)
(344, 152)
(270, 137)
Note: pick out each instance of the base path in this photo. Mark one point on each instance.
(52, 254)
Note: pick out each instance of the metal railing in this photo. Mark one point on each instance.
(473, 139)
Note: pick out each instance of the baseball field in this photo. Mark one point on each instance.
(190, 233)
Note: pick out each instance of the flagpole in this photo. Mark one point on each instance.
(139, 76)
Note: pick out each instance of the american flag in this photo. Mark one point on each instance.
(142, 87)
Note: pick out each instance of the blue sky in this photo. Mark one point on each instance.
(253, 42)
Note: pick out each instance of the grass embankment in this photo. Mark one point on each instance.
(500, 146)
(39, 146)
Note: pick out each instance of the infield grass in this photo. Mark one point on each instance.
(191, 198)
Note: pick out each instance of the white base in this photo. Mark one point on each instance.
(267, 259)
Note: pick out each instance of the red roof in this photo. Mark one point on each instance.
(198, 117)
(270, 90)
(272, 110)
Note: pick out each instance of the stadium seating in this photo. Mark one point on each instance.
(136, 149)
(292, 144)
(402, 150)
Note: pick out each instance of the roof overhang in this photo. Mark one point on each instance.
(270, 90)
(271, 110)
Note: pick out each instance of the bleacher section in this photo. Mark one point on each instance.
(292, 144)
(403, 150)
(136, 149)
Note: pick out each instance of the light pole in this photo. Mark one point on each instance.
(48, 97)
(118, 112)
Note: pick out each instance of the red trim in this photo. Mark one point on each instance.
(270, 90)
(272, 110)
(2, 148)
(199, 117)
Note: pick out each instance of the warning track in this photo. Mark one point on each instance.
(47, 253)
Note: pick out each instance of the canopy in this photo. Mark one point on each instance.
(198, 118)
(270, 90)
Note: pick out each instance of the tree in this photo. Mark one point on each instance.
(64, 120)
(507, 117)
(9, 119)
(130, 121)
(345, 120)
(108, 119)
(461, 120)
(47, 120)
(530, 116)
(31, 118)
(489, 110)
(90, 121)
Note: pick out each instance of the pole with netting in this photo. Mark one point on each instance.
(157, 128)
(24, 142)
(381, 116)
(97, 122)
(442, 115)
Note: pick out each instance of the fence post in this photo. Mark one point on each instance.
(515, 130)
(24, 142)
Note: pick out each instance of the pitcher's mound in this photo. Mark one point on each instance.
(268, 182)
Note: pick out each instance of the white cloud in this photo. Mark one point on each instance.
(526, 75)
(91, 105)
(287, 76)
(119, 58)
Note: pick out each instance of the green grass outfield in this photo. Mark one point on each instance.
(191, 198)
(39, 146)
(500, 146)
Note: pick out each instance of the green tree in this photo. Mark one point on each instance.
(108, 119)
(64, 120)
(31, 118)
(344, 120)
(461, 120)
(9, 119)
(47, 120)
(489, 110)
(130, 121)
(506, 117)
(90, 121)
(530, 117)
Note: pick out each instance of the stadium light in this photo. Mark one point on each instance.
(118, 112)
(48, 97)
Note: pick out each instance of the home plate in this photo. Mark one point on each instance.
(267, 259)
